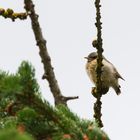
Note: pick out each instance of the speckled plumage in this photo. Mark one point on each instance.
(109, 75)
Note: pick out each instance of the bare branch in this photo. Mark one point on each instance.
(45, 57)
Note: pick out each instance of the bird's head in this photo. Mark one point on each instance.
(92, 56)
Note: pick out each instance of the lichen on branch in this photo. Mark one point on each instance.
(98, 45)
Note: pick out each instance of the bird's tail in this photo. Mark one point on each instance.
(117, 90)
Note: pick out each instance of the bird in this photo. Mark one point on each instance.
(109, 75)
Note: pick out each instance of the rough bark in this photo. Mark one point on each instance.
(98, 45)
(49, 74)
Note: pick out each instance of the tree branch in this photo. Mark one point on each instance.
(45, 57)
(98, 45)
(9, 13)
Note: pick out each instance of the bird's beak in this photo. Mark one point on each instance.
(86, 57)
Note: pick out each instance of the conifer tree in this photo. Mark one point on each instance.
(26, 116)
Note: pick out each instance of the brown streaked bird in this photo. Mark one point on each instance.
(109, 76)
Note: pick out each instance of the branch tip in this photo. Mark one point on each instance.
(9, 13)
(70, 98)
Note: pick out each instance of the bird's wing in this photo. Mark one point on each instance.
(116, 72)
(118, 75)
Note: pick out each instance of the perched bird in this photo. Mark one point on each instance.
(109, 74)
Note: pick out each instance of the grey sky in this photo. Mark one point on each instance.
(68, 26)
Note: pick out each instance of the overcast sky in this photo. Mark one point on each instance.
(68, 26)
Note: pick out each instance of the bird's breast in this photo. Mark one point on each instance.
(107, 72)
(91, 70)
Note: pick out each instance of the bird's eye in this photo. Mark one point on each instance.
(94, 57)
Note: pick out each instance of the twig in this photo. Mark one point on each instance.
(9, 13)
(45, 57)
(98, 45)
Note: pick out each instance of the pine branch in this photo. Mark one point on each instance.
(98, 45)
(45, 57)
(9, 13)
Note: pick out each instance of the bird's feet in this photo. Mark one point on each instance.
(94, 91)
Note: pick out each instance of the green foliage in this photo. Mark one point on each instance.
(23, 111)
(8, 122)
(27, 115)
(13, 134)
(17, 90)
(26, 73)
(9, 84)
